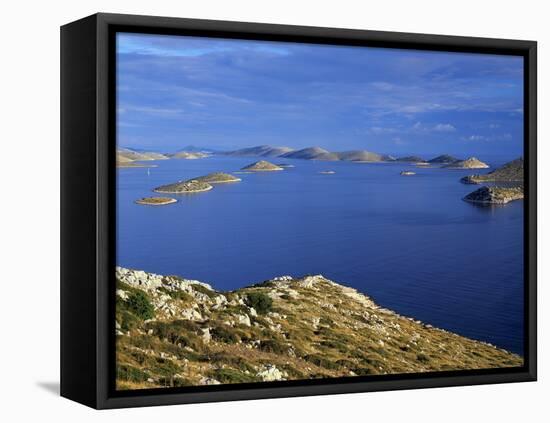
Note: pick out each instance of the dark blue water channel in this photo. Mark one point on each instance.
(410, 243)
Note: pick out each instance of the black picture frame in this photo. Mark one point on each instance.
(88, 209)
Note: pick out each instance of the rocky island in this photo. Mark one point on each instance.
(260, 151)
(129, 164)
(184, 187)
(130, 158)
(495, 195)
(218, 178)
(156, 201)
(510, 172)
(443, 159)
(177, 332)
(471, 163)
(311, 153)
(411, 159)
(262, 166)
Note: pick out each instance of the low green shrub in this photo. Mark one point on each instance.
(203, 290)
(261, 302)
(131, 374)
(345, 364)
(230, 360)
(224, 334)
(322, 362)
(232, 376)
(139, 304)
(363, 371)
(126, 319)
(273, 346)
(174, 382)
(337, 345)
(423, 358)
(177, 332)
(165, 367)
(177, 295)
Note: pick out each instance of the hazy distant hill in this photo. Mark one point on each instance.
(311, 153)
(410, 159)
(510, 172)
(318, 153)
(261, 150)
(362, 156)
(444, 159)
(195, 149)
(125, 156)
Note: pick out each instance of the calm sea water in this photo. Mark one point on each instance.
(410, 243)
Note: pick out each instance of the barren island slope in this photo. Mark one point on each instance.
(178, 332)
(509, 172)
(184, 187)
(262, 166)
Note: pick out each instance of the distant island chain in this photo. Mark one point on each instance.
(506, 182)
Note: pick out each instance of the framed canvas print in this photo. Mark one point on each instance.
(256, 211)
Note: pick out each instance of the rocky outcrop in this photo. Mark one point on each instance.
(173, 331)
(510, 172)
(184, 187)
(262, 166)
(495, 195)
(270, 373)
(156, 201)
(471, 163)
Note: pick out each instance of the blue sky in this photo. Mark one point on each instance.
(174, 91)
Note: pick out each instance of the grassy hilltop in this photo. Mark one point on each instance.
(177, 332)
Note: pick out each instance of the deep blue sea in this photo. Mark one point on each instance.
(410, 243)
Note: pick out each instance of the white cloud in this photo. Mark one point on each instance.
(444, 127)
(498, 137)
(439, 127)
(476, 138)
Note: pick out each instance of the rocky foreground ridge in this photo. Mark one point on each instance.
(178, 332)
